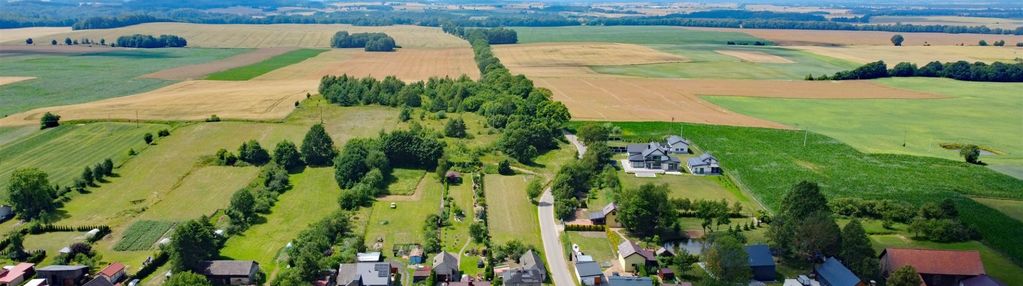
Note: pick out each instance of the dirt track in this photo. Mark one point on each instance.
(199, 71)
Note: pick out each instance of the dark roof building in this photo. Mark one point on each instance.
(588, 273)
(62, 275)
(364, 274)
(761, 262)
(445, 265)
(630, 281)
(981, 280)
(833, 273)
(936, 267)
(522, 277)
(230, 272)
(99, 281)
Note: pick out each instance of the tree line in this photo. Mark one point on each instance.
(960, 70)
(149, 41)
(371, 42)
(682, 20)
(114, 22)
(494, 36)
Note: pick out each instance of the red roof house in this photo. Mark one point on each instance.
(15, 275)
(114, 272)
(936, 267)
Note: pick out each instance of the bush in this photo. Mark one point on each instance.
(148, 138)
(148, 41)
(504, 168)
(163, 133)
(49, 120)
(370, 42)
(213, 118)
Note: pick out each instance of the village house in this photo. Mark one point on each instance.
(14, 275)
(588, 273)
(113, 272)
(761, 262)
(705, 164)
(365, 274)
(936, 267)
(678, 145)
(230, 272)
(630, 255)
(530, 272)
(608, 215)
(445, 266)
(652, 156)
(833, 273)
(62, 275)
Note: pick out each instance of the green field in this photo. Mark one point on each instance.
(52, 242)
(995, 264)
(404, 223)
(629, 35)
(595, 244)
(11, 134)
(63, 152)
(141, 235)
(688, 186)
(312, 198)
(1011, 208)
(404, 181)
(69, 79)
(704, 62)
(985, 114)
(511, 216)
(257, 69)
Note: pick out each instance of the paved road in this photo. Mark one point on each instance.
(560, 274)
(575, 141)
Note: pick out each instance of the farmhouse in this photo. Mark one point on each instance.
(936, 267)
(706, 164)
(652, 156)
(761, 262)
(365, 274)
(62, 275)
(588, 273)
(445, 265)
(230, 272)
(608, 215)
(14, 275)
(631, 255)
(833, 273)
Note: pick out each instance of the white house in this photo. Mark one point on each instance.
(704, 165)
(678, 145)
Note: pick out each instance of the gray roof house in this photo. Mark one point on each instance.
(60, 275)
(652, 156)
(230, 272)
(630, 281)
(445, 265)
(364, 274)
(631, 254)
(677, 144)
(706, 164)
(530, 272)
(589, 274)
(605, 216)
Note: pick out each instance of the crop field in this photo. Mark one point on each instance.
(735, 62)
(755, 56)
(404, 223)
(1011, 208)
(11, 134)
(561, 59)
(637, 99)
(18, 35)
(995, 264)
(199, 71)
(909, 126)
(867, 38)
(142, 235)
(311, 199)
(920, 55)
(63, 152)
(511, 215)
(408, 64)
(93, 76)
(254, 70)
(13, 79)
(265, 36)
(643, 35)
(1003, 23)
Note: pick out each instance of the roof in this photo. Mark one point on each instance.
(368, 257)
(422, 272)
(99, 281)
(836, 274)
(981, 280)
(947, 262)
(35, 282)
(15, 272)
(604, 211)
(759, 255)
(112, 269)
(628, 248)
(228, 267)
(669, 251)
(445, 263)
(530, 260)
(519, 275)
(675, 139)
(588, 269)
(416, 252)
(636, 148)
(61, 268)
(374, 273)
(630, 281)
(705, 159)
(346, 273)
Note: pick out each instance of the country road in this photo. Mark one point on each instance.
(560, 273)
(575, 142)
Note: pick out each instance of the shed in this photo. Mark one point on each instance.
(113, 272)
(833, 273)
(761, 262)
(415, 256)
(369, 256)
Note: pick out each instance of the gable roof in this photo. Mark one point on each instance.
(636, 148)
(946, 262)
(367, 273)
(702, 160)
(669, 251)
(836, 274)
(628, 248)
(228, 267)
(99, 281)
(445, 263)
(62, 268)
(15, 273)
(675, 139)
(588, 269)
(603, 212)
(630, 281)
(530, 260)
(759, 255)
(519, 275)
(112, 269)
(981, 280)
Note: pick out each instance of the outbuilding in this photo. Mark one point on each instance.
(761, 262)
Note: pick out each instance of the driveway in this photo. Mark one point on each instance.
(575, 142)
(561, 275)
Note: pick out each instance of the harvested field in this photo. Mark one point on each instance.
(581, 54)
(637, 99)
(1003, 23)
(199, 71)
(266, 36)
(13, 79)
(406, 64)
(58, 50)
(20, 34)
(920, 55)
(845, 38)
(755, 57)
(189, 100)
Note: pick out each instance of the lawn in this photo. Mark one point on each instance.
(510, 213)
(689, 186)
(985, 114)
(455, 237)
(254, 70)
(595, 244)
(52, 242)
(312, 198)
(404, 181)
(404, 223)
(705, 62)
(1011, 208)
(68, 79)
(63, 152)
(995, 264)
(629, 35)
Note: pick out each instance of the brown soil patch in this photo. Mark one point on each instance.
(21, 34)
(188, 100)
(13, 79)
(198, 71)
(756, 57)
(846, 38)
(48, 49)
(406, 64)
(639, 99)
(920, 55)
(581, 55)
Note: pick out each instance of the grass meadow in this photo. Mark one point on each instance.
(1012, 208)
(69, 79)
(511, 216)
(404, 223)
(985, 114)
(254, 70)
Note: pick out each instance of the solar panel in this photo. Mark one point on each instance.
(383, 270)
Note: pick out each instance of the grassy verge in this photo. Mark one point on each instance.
(257, 69)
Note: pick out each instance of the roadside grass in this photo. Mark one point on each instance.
(548, 164)
(142, 235)
(404, 223)
(995, 264)
(985, 114)
(510, 214)
(63, 152)
(593, 243)
(257, 69)
(1011, 208)
(69, 79)
(629, 35)
(705, 62)
(404, 181)
(313, 197)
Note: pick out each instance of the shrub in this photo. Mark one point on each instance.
(163, 133)
(49, 120)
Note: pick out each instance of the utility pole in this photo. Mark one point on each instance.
(805, 134)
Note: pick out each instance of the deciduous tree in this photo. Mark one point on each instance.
(897, 40)
(904, 276)
(317, 147)
(728, 260)
(187, 278)
(193, 242)
(30, 193)
(646, 211)
(286, 155)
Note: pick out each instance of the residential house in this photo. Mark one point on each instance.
(589, 274)
(608, 215)
(936, 267)
(365, 274)
(113, 272)
(631, 255)
(230, 272)
(99, 281)
(981, 280)
(530, 272)
(616, 280)
(445, 265)
(761, 262)
(14, 275)
(62, 275)
(833, 273)
(469, 281)
(705, 164)
(678, 145)
(652, 156)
